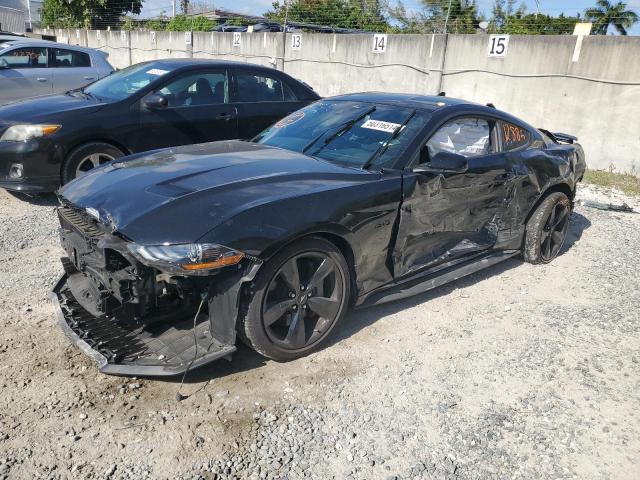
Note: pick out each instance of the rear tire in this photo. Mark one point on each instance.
(546, 230)
(86, 157)
(297, 300)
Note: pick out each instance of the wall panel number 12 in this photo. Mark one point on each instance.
(237, 38)
(498, 45)
(379, 43)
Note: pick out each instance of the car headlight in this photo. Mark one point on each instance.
(186, 259)
(21, 133)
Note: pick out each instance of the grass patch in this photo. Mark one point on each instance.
(626, 182)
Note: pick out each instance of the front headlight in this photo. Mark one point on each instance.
(186, 259)
(21, 133)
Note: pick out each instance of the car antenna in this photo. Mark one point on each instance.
(491, 105)
(442, 94)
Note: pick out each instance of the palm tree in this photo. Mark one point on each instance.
(606, 14)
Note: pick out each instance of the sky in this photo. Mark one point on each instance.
(258, 7)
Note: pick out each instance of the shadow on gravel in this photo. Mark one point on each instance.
(39, 199)
(246, 359)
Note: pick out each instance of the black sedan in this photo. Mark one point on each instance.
(353, 200)
(48, 141)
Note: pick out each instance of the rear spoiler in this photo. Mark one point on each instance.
(559, 137)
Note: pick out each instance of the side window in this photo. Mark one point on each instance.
(26, 57)
(513, 137)
(469, 137)
(201, 88)
(68, 58)
(260, 88)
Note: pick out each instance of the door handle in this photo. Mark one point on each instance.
(41, 79)
(224, 116)
(89, 78)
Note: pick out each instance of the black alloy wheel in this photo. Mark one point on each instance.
(297, 300)
(554, 231)
(303, 300)
(546, 229)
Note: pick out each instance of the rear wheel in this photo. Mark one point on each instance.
(299, 298)
(87, 157)
(547, 228)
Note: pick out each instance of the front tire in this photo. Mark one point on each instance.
(297, 300)
(546, 230)
(87, 157)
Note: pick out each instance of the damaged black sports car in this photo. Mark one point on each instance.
(351, 201)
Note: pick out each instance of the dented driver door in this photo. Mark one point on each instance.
(447, 215)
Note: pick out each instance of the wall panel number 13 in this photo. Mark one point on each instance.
(498, 45)
(296, 41)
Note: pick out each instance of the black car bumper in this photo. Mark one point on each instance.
(161, 351)
(39, 160)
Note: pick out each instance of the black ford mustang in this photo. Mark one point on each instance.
(353, 200)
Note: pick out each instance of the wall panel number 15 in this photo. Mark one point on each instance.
(498, 45)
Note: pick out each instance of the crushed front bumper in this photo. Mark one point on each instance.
(157, 350)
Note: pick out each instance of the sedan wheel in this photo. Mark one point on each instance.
(92, 161)
(299, 298)
(87, 157)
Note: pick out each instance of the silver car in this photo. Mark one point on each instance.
(31, 68)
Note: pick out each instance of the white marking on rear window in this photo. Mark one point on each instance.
(381, 126)
(157, 71)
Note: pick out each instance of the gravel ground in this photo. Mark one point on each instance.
(520, 371)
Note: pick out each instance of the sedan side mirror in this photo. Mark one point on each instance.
(3, 63)
(155, 101)
(444, 162)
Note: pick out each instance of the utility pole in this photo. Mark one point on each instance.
(173, 6)
(284, 31)
(29, 9)
(446, 20)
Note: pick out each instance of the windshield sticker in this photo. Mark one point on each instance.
(293, 118)
(381, 126)
(157, 71)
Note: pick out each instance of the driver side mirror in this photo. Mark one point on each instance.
(3, 63)
(155, 101)
(444, 162)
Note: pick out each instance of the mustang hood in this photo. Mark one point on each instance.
(177, 195)
(51, 108)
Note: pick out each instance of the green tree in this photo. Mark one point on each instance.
(605, 13)
(508, 19)
(184, 23)
(365, 15)
(98, 14)
(436, 16)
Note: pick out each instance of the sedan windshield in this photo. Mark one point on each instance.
(351, 133)
(123, 83)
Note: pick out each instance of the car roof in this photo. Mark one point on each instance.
(429, 103)
(421, 102)
(34, 42)
(183, 62)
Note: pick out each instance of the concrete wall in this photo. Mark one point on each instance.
(585, 86)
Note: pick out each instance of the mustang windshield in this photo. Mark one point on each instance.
(119, 85)
(351, 133)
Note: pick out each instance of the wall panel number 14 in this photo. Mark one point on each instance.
(379, 43)
(498, 45)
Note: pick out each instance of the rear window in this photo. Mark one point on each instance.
(513, 136)
(69, 58)
(262, 88)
